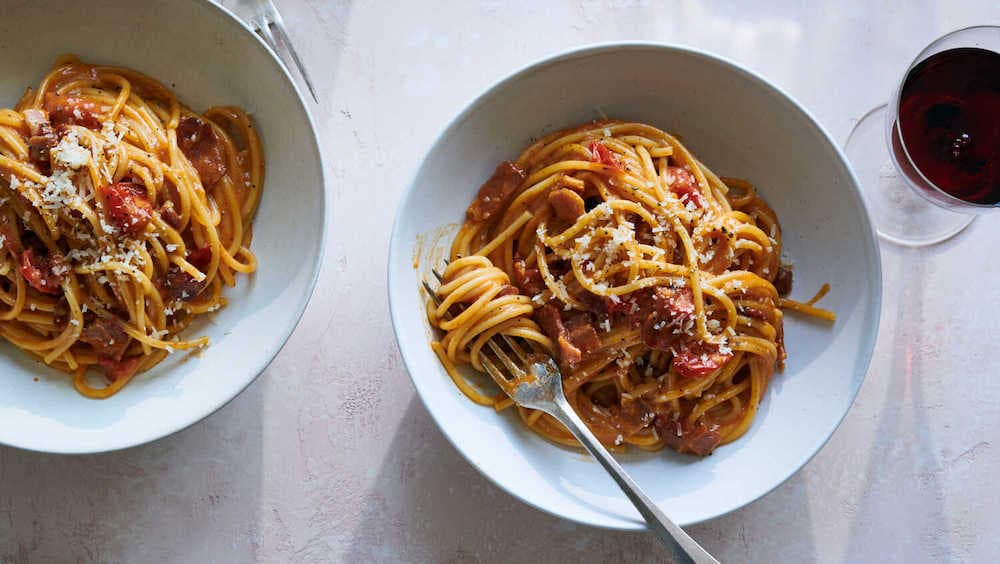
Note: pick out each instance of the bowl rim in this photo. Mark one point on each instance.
(399, 251)
(114, 443)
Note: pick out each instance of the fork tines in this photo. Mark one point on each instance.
(502, 346)
(268, 23)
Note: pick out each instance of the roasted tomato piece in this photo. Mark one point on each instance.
(671, 320)
(43, 273)
(71, 110)
(695, 359)
(126, 206)
(601, 154)
(685, 184)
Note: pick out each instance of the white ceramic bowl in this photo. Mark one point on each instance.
(209, 58)
(739, 125)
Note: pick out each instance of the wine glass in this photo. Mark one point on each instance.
(929, 160)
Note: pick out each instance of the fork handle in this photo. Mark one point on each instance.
(684, 548)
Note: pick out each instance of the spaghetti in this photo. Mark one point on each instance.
(656, 284)
(122, 215)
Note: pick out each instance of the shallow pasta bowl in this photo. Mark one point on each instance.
(739, 125)
(208, 58)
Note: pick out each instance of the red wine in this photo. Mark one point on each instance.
(949, 118)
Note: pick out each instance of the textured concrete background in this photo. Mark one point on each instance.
(331, 457)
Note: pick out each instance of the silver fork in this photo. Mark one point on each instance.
(533, 380)
(264, 18)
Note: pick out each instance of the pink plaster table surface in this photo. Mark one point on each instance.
(330, 457)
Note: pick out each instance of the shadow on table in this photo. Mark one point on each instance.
(200, 487)
(917, 505)
(433, 506)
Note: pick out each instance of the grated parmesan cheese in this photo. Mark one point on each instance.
(59, 191)
(69, 153)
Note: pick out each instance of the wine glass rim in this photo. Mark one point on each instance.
(894, 129)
